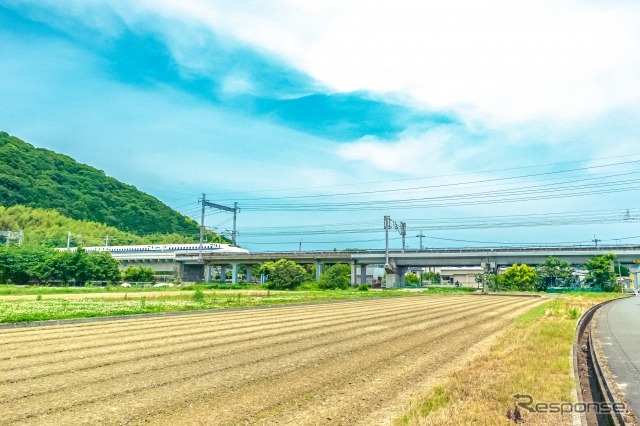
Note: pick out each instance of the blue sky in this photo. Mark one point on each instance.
(474, 124)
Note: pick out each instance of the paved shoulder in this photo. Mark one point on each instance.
(618, 330)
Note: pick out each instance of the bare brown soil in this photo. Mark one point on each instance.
(339, 363)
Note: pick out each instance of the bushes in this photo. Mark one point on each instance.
(308, 286)
(431, 277)
(411, 278)
(139, 274)
(336, 276)
(520, 278)
(198, 296)
(283, 274)
(601, 273)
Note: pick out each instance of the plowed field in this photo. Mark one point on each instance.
(336, 363)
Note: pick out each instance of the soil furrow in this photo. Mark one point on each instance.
(282, 359)
(76, 377)
(142, 322)
(167, 328)
(336, 391)
(82, 362)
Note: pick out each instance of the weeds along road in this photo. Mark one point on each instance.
(338, 363)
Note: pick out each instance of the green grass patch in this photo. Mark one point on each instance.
(49, 308)
(14, 290)
(449, 290)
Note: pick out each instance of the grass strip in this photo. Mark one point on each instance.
(41, 309)
(28, 290)
(531, 357)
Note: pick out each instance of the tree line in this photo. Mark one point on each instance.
(24, 265)
(601, 275)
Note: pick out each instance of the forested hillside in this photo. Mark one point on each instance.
(48, 228)
(40, 178)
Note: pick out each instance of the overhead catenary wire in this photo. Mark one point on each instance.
(506, 179)
(282, 204)
(368, 183)
(464, 199)
(566, 183)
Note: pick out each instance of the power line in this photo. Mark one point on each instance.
(448, 185)
(236, 193)
(463, 223)
(488, 197)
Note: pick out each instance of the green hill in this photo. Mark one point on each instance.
(41, 179)
(48, 228)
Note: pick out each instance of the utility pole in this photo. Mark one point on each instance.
(203, 200)
(420, 236)
(300, 245)
(387, 226)
(68, 239)
(234, 232)
(596, 240)
(401, 228)
(106, 241)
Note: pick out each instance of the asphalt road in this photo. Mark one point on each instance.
(618, 330)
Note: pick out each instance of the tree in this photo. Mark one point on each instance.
(82, 266)
(19, 264)
(411, 278)
(495, 282)
(139, 274)
(520, 277)
(481, 279)
(553, 273)
(103, 267)
(60, 266)
(336, 276)
(491, 281)
(601, 274)
(283, 274)
(622, 270)
(432, 277)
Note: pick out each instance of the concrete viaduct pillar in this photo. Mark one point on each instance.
(249, 276)
(179, 271)
(234, 273)
(353, 274)
(318, 270)
(363, 274)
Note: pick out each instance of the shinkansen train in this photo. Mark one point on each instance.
(167, 248)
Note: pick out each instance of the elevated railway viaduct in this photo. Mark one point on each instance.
(196, 267)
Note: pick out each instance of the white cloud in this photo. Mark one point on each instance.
(439, 151)
(494, 61)
(390, 157)
(498, 60)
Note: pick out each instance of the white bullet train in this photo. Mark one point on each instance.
(167, 248)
